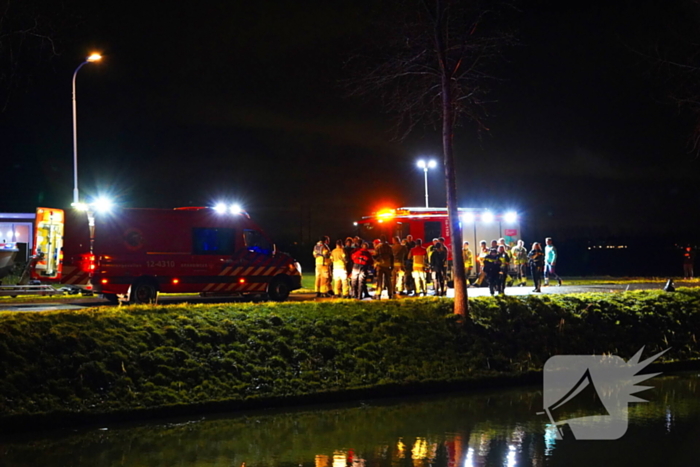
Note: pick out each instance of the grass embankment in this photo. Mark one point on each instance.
(71, 366)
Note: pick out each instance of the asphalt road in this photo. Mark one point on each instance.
(79, 302)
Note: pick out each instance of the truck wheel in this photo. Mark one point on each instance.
(143, 292)
(279, 289)
(111, 298)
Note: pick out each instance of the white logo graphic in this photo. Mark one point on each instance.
(590, 393)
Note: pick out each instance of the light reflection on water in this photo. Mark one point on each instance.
(476, 430)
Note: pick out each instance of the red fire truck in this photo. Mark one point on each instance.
(132, 254)
(430, 223)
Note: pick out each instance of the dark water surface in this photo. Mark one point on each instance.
(477, 429)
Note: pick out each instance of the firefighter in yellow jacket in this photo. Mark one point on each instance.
(340, 273)
(468, 260)
(322, 255)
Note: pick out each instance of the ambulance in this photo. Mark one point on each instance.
(134, 254)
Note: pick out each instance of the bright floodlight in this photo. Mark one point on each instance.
(432, 164)
(102, 205)
(468, 217)
(236, 209)
(9, 234)
(94, 57)
(510, 217)
(220, 208)
(487, 217)
(421, 163)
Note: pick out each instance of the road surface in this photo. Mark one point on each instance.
(78, 302)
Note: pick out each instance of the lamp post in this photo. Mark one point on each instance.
(76, 197)
(425, 166)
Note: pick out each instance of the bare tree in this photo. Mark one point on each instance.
(672, 45)
(436, 70)
(28, 37)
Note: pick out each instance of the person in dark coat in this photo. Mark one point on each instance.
(536, 262)
(438, 266)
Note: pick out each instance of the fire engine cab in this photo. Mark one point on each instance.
(430, 223)
(133, 254)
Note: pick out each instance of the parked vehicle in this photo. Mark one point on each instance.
(133, 254)
(430, 223)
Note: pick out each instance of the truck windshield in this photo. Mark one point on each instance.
(256, 242)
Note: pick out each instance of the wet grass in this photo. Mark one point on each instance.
(143, 357)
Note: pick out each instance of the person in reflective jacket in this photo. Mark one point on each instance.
(322, 255)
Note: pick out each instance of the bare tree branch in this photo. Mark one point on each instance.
(434, 70)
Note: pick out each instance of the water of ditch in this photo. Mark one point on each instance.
(456, 430)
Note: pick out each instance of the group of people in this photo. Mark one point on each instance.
(500, 264)
(400, 267)
(405, 265)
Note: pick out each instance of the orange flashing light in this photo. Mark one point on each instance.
(241, 280)
(104, 281)
(386, 213)
(176, 281)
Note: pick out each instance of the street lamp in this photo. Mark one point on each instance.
(425, 166)
(76, 198)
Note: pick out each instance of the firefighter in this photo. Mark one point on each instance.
(536, 260)
(519, 257)
(322, 254)
(340, 274)
(502, 242)
(483, 252)
(384, 262)
(362, 261)
(398, 273)
(418, 256)
(468, 260)
(438, 265)
(550, 261)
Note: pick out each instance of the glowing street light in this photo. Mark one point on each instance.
(76, 197)
(510, 217)
(431, 164)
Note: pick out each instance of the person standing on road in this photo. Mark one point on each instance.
(361, 262)
(688, 262)
(384, 261)
(550, 261)
(483, 253)
(519, 255)
(536, 260)
(492, 270)
(322, 254)
(408, 265)
(504, 264)
(438, 265)
(418, 256)
(340, 273)
(398, 273)
(468, 261)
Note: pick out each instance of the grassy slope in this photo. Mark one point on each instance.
(131, 358)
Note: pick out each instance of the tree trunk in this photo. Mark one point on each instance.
(461, 303)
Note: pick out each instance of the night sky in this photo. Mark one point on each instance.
(200, 101)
